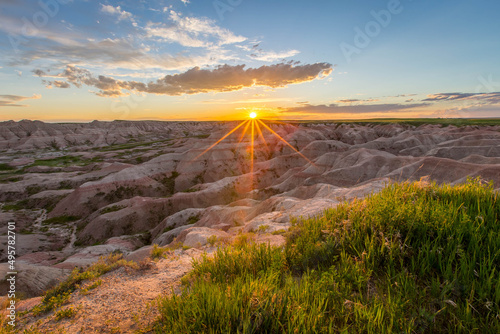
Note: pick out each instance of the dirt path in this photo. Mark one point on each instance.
(123, 303)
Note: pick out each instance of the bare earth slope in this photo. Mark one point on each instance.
(79, 191)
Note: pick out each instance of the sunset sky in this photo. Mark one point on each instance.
(78, 60)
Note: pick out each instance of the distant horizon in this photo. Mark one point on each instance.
(263, 119)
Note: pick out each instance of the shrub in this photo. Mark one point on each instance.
(158, 252)
(66, 313)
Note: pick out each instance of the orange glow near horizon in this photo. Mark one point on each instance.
(287, 143)
(252, 148)
(218, 141)
(254, 126)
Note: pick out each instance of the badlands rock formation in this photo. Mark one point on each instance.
(78, 191)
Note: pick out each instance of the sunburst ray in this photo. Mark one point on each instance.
(218, 141)
(287, 143)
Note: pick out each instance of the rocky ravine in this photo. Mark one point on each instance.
(78, 191)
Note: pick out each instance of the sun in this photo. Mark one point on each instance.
(253, 115)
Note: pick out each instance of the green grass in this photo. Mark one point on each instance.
(10, 179)
(6, 167)
(169, 182)
(60, 220)
(65, 313)
(19, 205)
(126, 146)
(112, 208)
(160, 252)
(414, 258)
(65, 161)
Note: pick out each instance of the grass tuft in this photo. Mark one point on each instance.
(61, 293)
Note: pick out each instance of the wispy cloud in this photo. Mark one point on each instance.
(117, 11)
(223, 78)
(56, 83)
(493, 97)
(192, 32)
(332, 109)
(270, 56)
(13, 100)
(356, 101)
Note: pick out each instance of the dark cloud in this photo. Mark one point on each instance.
(351, 109)
(493, 97)
(61, 84)
(223, 78)
(39, 73)
(12, 100)
(56, 83)
(355, 101)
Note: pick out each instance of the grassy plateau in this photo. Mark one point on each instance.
(414, 258)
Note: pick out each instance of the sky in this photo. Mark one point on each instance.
(82, 60)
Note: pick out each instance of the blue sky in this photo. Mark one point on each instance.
(76, 60)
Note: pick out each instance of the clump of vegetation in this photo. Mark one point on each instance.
(212, 240)
(60, 294)
(10, 179)
(158, 252)
(62, 161)
(243, 239)
(6, 167)
(60, 220)
(122, 192)
(416, 257)
(112, 208)
(169, 183)
(262, 228)
(86, 290)
(33, 189)
(130, 145)
(66, 184)
(19, 205)
(193, 219)
(66, 313)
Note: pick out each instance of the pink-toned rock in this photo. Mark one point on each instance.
(28, 304)
(140, 254)
(198, 236)
(21, 162)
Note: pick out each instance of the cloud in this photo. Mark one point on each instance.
(224, 78)
(56, 83)
(12, 100)
(493, 97)
(270, 56)
(39, 73)
(355, 101)
(306, 108)
(122, 14)
(139, 48)
(134, 51)
(192, 32)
